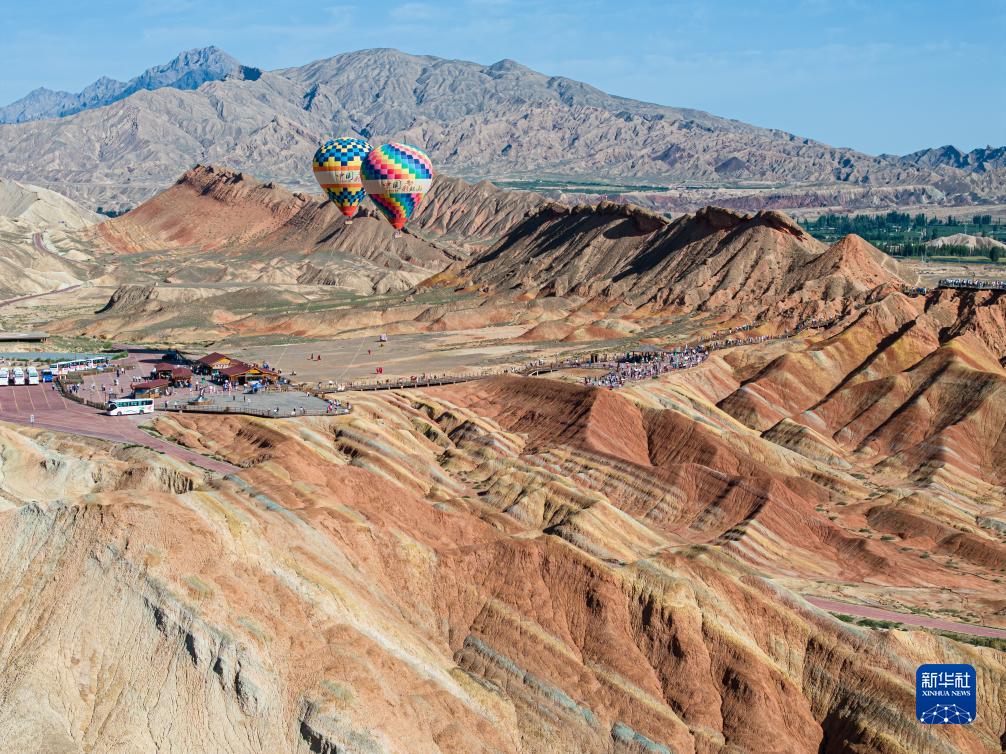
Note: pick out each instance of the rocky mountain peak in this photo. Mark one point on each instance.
(188, 70)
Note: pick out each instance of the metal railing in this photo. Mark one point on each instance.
(240, 408)
(71, 395)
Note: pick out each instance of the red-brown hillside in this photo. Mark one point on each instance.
(714, 260)
(213, 208)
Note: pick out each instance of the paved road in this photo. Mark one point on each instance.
(38, 295)
(18, 403)
(909, 619)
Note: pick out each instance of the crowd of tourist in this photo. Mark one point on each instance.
(648, 365)
(976, 283)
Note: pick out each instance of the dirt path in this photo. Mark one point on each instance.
(908, 619)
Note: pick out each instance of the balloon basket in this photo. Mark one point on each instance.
(349, 221)
(398, 234)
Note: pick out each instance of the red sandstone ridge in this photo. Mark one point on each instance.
(515, 565)
(916, 386)
(511, 540)
(688, 480)
(714, 260)
(218, 209)
(214, 208)
(466, 214)
(206, 208)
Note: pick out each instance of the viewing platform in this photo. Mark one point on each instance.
(973, 284)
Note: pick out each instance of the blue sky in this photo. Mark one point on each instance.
(883, 76)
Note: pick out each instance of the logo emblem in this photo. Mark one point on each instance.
(945, 694)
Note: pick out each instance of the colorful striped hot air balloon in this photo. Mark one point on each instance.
(396, 176)
(337, 170)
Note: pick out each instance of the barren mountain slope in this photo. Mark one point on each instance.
(980, 243)
(33, 223)
(485, 120)
(468, 216)
(581, 273)
(387, 601)
(697, 481)
(40, 208)
(216, 225)
(716, 260)
(189, 70)
(138, 145)
(214, 208)
(26, 270)
(914, 386)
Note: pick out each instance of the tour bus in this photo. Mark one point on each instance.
(18, 376)
(32, 376)
(77, 365)
(4, 376)
(123, 406)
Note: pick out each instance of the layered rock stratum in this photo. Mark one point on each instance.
(215, 224)
(438, 578)
(763, 264)
(516, 564)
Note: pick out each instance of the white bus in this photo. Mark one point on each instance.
(32, 376)
(18, 376)
(123, 406)
(4, 376)
(78, 365)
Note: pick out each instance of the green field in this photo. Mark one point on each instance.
(903, 235)
(578, 187)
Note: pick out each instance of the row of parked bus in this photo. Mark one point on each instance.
(33, 375)
(78, 365)
(19, 376)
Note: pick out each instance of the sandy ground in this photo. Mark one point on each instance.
(350, 359)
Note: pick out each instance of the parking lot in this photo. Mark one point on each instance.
(24, 401)
(44, 408)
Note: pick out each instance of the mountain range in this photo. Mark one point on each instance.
(118, 143)
(190, 70)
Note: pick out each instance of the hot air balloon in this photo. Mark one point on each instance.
(337, 170)
(396, 176)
